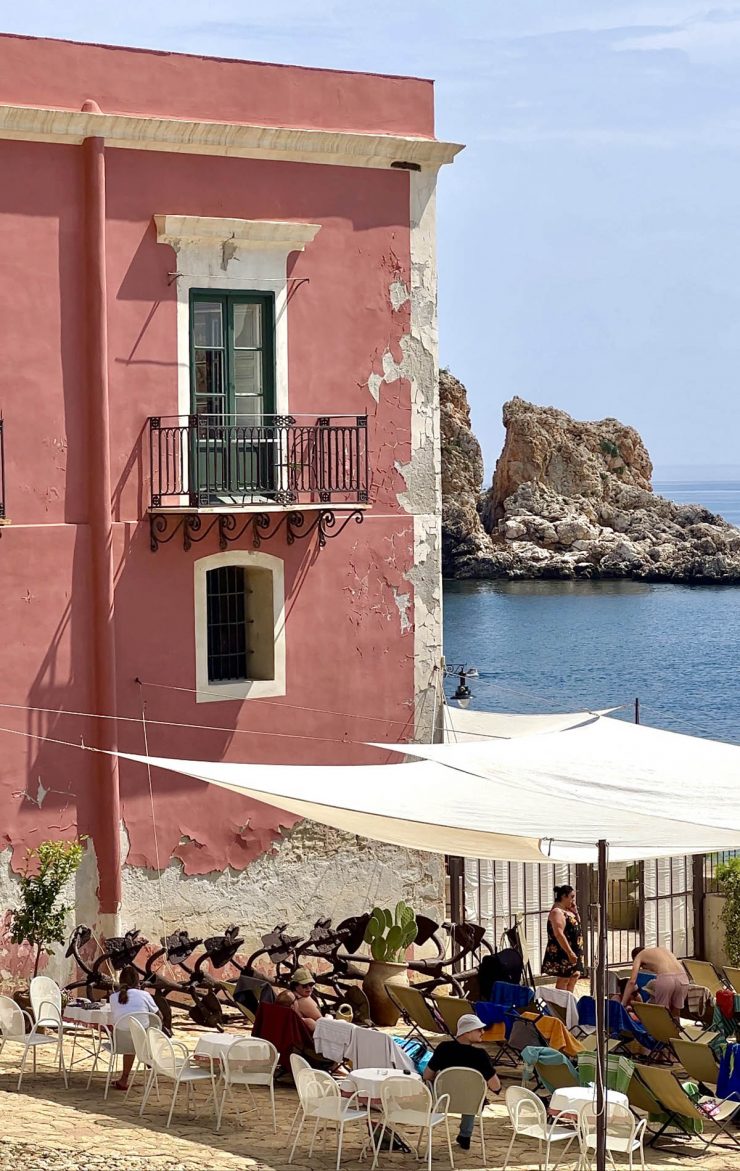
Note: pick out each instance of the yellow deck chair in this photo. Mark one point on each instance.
(414, 1010)
(681, 1111)
(704, 974)
(699, 1062)
(451, 1008)
(733, 976)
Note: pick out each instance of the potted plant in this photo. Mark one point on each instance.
(389, 934)
(40, 918)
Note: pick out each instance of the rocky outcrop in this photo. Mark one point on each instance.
(571, 500)
(463, 536)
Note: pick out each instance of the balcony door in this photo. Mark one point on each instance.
(232, 364)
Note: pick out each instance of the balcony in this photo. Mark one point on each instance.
(256, 475)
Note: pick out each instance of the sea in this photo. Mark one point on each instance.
(546, 646)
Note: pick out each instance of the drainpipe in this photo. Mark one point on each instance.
(106, 808)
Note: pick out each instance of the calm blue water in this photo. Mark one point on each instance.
(721, 496)
(565, 646)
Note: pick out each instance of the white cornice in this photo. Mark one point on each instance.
(136, 132)
(272, 235)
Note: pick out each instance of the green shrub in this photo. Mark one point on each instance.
(609, 448)
(390, 933)
(728, 876)
(40, 918)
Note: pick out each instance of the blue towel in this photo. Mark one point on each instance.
(491, 1014)
(512, 995)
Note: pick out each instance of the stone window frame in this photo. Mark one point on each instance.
(212, 692)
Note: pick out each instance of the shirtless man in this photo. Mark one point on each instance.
(302, 985)
(671, 982)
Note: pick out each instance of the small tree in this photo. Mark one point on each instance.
(40, 918)
(728, 876)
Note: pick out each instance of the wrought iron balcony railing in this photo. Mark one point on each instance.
(202, 461)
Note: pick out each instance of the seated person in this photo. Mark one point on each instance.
(302, 985)
(129, 999)
(671, 983)
(462, 1052)
(286, 997)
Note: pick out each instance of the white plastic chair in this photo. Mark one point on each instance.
(465, 1090)
(140, 1038)
(120, 1041)
(249, 1062)
(529, 1120)
(13, 1022)
(43, 990)
(176, 1067)
(297, 1063)
(321, 1100)
(408, 1102)
(624, 1134)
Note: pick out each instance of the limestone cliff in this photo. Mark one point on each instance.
(569, 499)
(462, 477)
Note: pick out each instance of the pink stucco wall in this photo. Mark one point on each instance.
(346, 651)
(64, 74)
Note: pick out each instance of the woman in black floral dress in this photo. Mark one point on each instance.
(564, 952)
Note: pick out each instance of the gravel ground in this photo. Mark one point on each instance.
(32, 1157)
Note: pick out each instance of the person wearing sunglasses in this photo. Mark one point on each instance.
(302, 985)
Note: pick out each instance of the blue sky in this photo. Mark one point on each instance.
(589, 235)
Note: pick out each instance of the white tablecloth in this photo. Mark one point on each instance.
(101, 1015)
(574, 1098)
(369, 1081)
(216, 1044)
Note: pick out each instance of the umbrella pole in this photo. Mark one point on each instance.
(601, 1010)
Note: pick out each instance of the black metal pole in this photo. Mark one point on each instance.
(601, 1011)
(637, 710)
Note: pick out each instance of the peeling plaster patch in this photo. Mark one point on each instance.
(374, 384)
(228, 252)
(399, 294)
(403, 601)
(313, 871)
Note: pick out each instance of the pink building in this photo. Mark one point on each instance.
(221, 467)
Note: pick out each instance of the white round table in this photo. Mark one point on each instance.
(369, 1082)
(216, 1044)
(572, 1099)
(100, 1015)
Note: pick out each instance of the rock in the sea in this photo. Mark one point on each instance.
(569, 499)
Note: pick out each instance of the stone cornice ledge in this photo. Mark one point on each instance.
(273, 235)
(136, 132)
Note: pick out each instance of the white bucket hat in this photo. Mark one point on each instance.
(468, 1024)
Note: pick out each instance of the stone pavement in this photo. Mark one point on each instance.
(46, 1127)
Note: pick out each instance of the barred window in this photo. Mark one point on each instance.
(228, 624)
(239, 626)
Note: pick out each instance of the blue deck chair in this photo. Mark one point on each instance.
(620, 1024)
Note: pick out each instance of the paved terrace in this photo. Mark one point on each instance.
(46, 1127)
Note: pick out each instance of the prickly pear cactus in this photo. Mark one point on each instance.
(389, 933)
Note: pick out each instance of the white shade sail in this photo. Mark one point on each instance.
(535, 798)
(462, 725)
